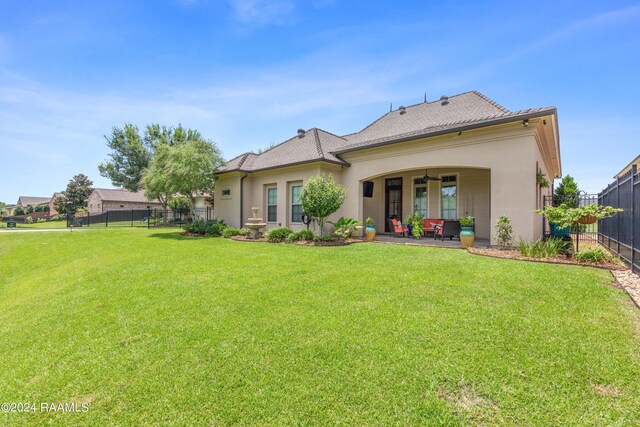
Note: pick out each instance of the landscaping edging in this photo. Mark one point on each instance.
(301, 243)
(630, 282)
(514, 254)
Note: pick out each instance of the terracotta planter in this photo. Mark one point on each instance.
(371, 233)
(467, 236)
(587, 219)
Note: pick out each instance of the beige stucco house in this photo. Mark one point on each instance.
(485, 156)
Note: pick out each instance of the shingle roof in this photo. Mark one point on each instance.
(32, 200)
(466, 110)
(122, 195)
(313, 145)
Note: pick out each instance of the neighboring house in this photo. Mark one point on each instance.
(486, 158)
(627, 168)
(110, 199)
(52, 201)
(24, 201)
(10, 209)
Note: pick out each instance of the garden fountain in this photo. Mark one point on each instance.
(255, 224)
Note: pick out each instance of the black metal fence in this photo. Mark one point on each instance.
(579, 233)
(146, 218)
(621, 233)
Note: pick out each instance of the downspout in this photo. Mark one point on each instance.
(242, 197)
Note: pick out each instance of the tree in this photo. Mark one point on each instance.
(186, 168)
(28, 210)
(18, 211)
(566, 192)
(78, 191)
(131, 153)
(60, 203)
(321, 197)
(3, 210)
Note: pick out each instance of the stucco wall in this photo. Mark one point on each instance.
(496, 167)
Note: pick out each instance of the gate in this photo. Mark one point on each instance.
(580, 233)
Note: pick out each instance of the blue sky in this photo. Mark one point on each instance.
(247, 73)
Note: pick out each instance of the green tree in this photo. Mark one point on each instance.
(321, 196)
(3, 210)
(566, 192)
(78, 191)
(131, 152)
(61, 204)
(18, 211)
(28, 210)
(155, 181)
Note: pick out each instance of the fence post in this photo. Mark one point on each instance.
(634, 194)
(618, 216)
(131, 217)
(88, 218)
(148, 218)
(106, 219)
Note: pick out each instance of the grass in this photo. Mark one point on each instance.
(151, 328)
(40, 225)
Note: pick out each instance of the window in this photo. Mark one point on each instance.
(296, 206)
(420, 196)
(272, 204)
(225, 193)
(449, 197)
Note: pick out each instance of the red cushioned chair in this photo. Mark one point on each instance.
(430, 225)
(397, 228)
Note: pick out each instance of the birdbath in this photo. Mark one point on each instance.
(255, 224)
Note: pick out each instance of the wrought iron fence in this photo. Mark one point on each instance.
(138, 218)
(579, 233)
(621, 233)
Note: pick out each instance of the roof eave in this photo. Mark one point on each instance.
(304, 162)
(461, 128)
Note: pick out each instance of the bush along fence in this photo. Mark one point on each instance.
(621, 233)
(138, 218)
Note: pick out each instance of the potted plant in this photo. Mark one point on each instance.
(559, 219)
(467, 236)
(370, 230)
(415, 224)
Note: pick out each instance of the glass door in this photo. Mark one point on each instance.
(393, 201)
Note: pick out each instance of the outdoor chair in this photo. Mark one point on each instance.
(429, 225)
(449, 228)
(397, 228)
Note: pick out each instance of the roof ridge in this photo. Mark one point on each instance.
(318, 145)
(331, 133)
(491, 101)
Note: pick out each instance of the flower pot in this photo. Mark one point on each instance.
(587, 219)
(410, 228)
(371, 233)
(467, 236)
(558, 231)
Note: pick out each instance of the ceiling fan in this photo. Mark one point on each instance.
(426, 176)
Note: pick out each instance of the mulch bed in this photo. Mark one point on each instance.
(515, 254)
(304, 243)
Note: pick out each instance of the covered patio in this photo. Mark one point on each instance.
(446, 193)
(428, 241)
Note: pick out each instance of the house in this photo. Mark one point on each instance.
(24, 201)
(484, 157)
(52, 201)
(10, 209)
(627, 168)
(109, 199)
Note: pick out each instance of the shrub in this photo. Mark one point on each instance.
(325, 238)
(466, 221)
(504, 232)
(232, 231)
(346, 226)
(596, 255)
(41, 220)
(28, 220)
(56, 217)
(206, 228)
(278, 235)
(18, 211)
(321, 197)
(300, 236)
(544, 248)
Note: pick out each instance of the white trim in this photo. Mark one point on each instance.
(457, 175)
(413, 194)
(268, 187)
(291, 204)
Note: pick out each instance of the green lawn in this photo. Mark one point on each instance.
(151, 328)
(50, 224)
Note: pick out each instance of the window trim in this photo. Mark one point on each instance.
(457, 175)
(267, 188)
(413, 194)
(291, 204)
(225, 196)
